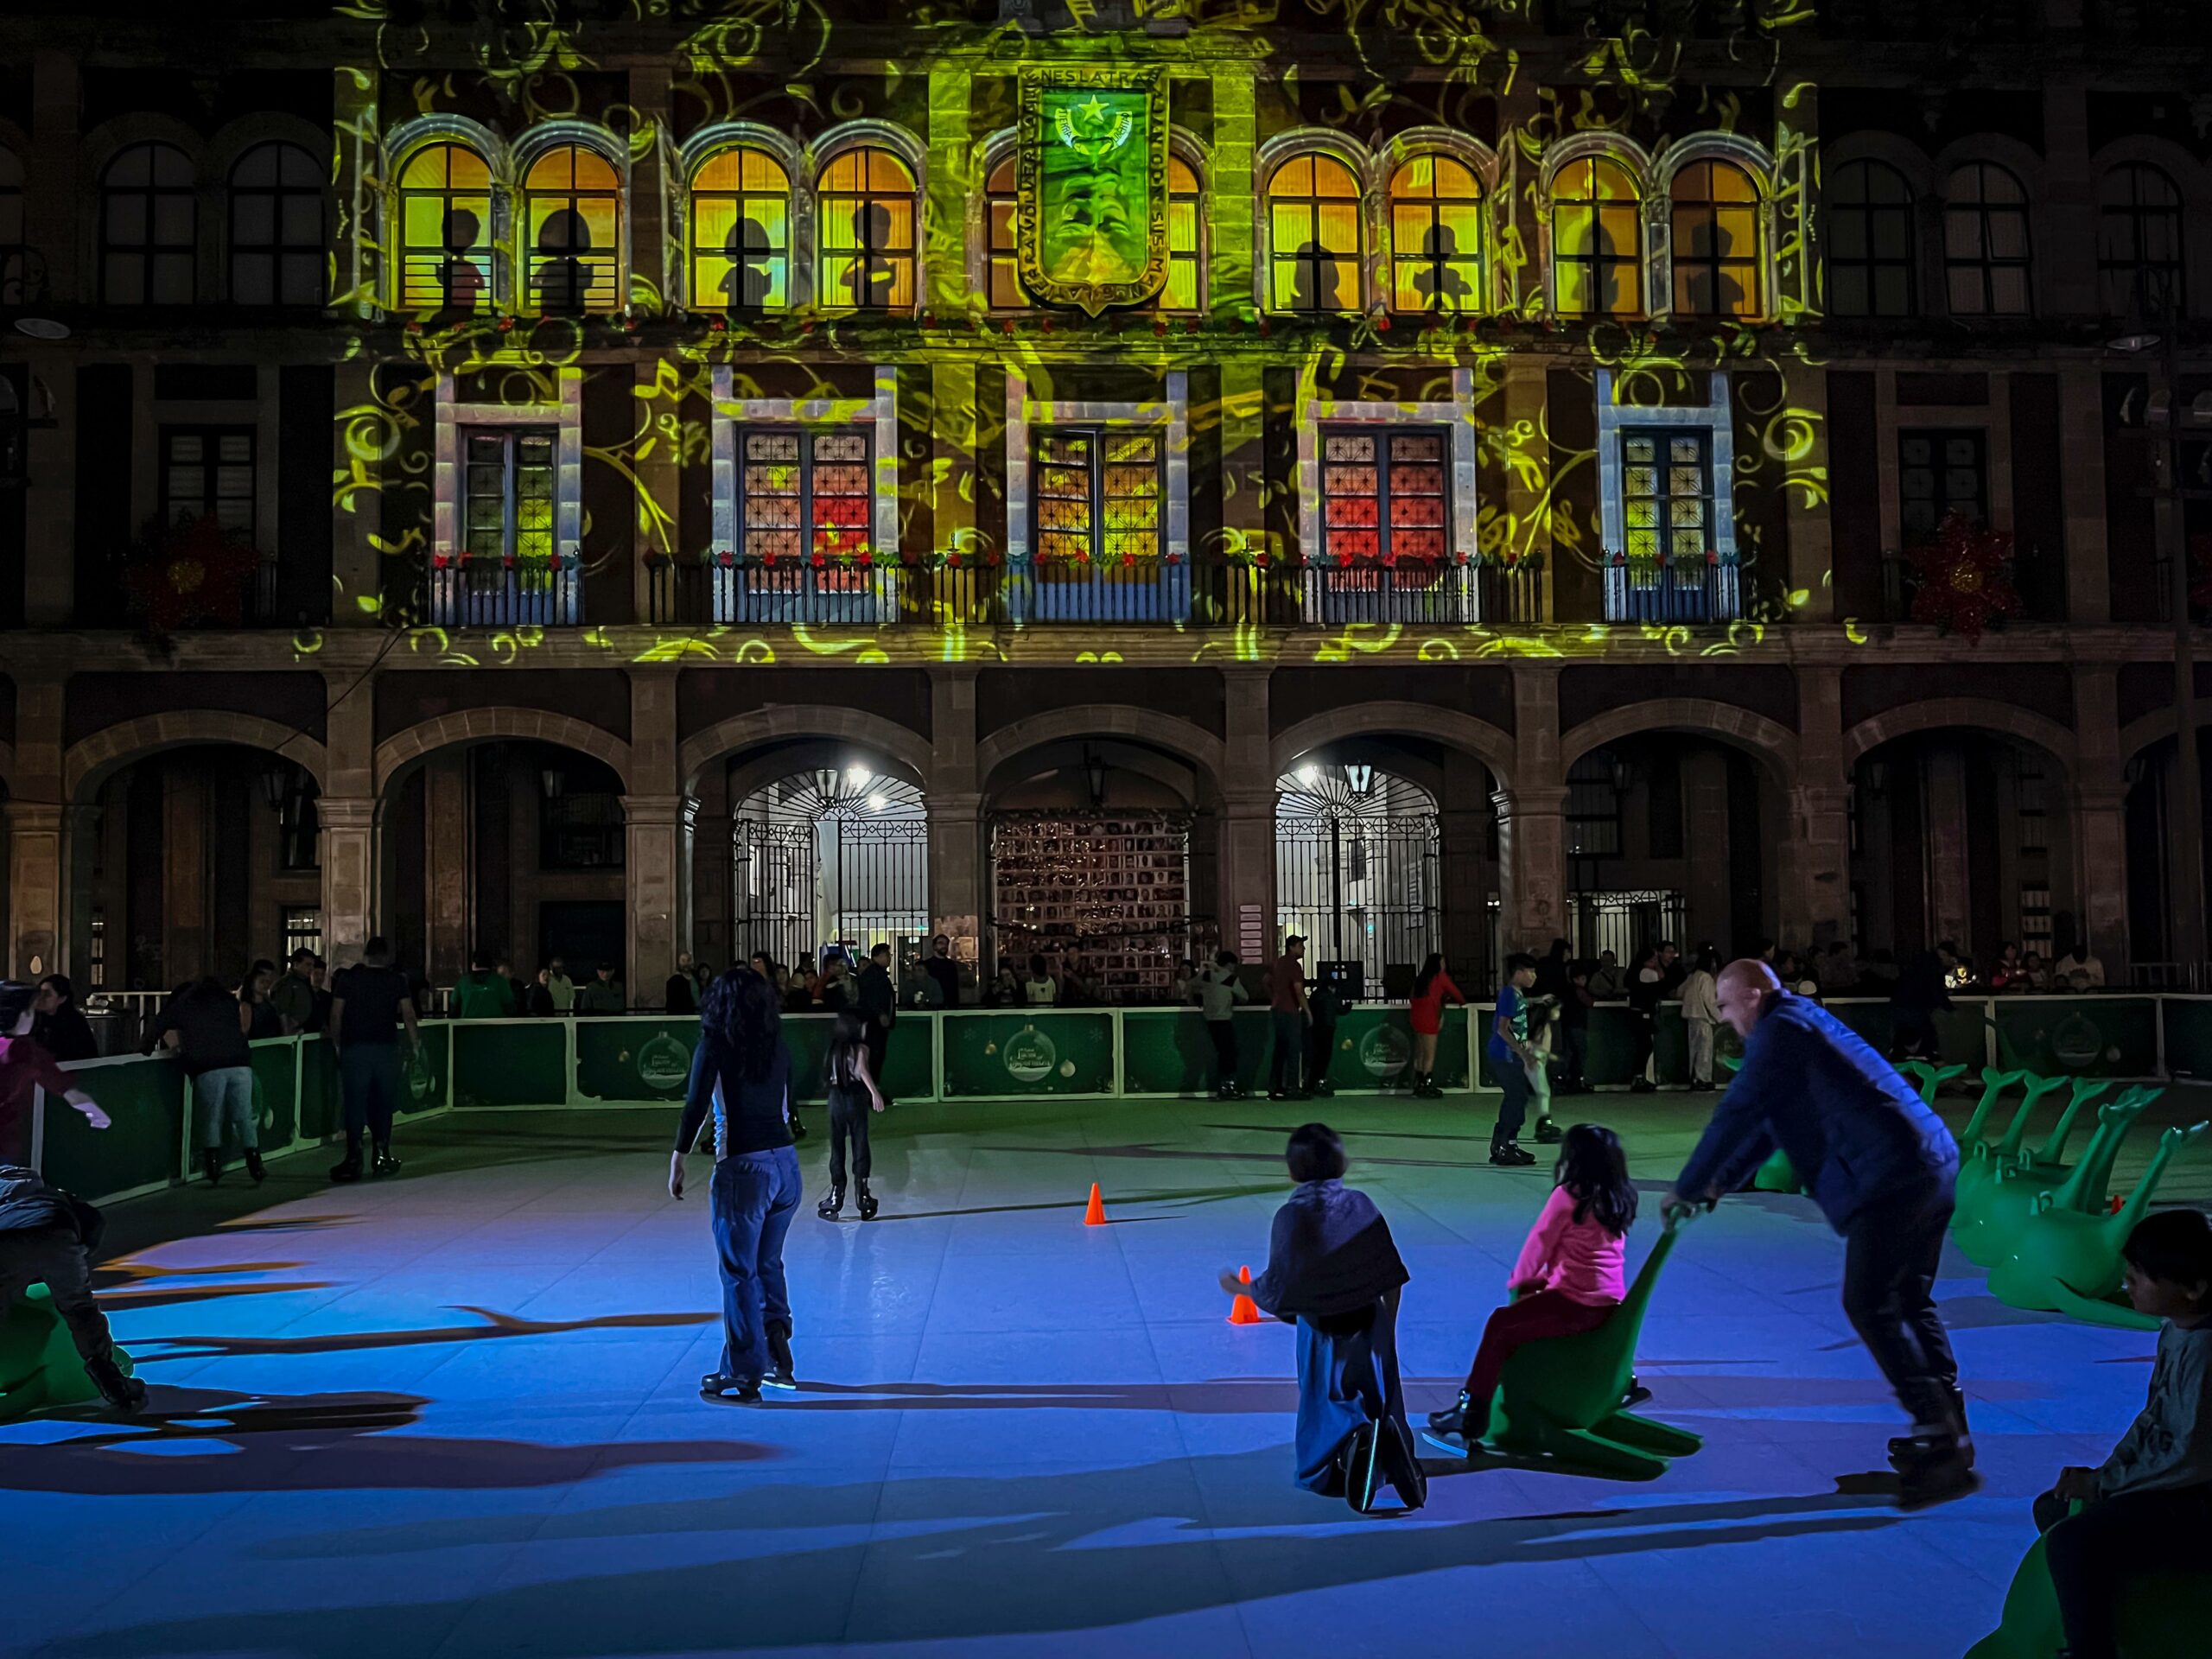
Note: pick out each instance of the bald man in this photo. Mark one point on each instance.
(1882, 1167)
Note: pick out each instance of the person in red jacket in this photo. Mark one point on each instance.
(1430, 987)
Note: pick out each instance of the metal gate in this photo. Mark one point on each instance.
(840, 880)
(1360, 889)
(1623, 922)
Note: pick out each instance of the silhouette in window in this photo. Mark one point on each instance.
(1313, 279)
(752, 276)
(564, 279)
(871, 278)
(1440, 287)
(460, 276)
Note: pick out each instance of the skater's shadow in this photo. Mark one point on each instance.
(122, 1283)
(496, 1326)
(982, 1556)
(200, 1442)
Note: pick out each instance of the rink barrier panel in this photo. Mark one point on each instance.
(999, 1056)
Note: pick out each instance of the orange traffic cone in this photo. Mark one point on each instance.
(1096, 1215)
(1244, 1310)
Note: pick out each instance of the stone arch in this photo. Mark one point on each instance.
(395, 753)
(1112, 720)
(1463, 732)
(786, 721)
(89, 763)
(2038, 731)
(1767, 741)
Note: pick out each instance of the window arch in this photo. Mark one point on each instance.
(1436, 239)
(865, 218)
(1313, 236)
(277, 227)
(572, 232)
(148, 225)
(445, 230)
(1986, 248)
(1873, 249)
(1714, 241)
(1597, 240)
(1003, 279)
(741, 232)
(12, 252)
(1185, 288)
(2139, 238)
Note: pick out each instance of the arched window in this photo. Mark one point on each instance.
(11, 229)
(741, 232)
(1436, 242)
(1985, 242)
(1597, 240)
(1715, 241)
(572, 232)
(1313, 237)
(276, 248)
(1185, 288)
(1871, 247)
(1005, 293)
(2139, 240)
(147, 227)
(864, 225)
(445, 230)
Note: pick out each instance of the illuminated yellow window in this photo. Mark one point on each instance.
(445, 230)
(1006, 291)
(1597, 241)
(865, 227)
(1436, 241)
(741, 233)
(1185, 287)
(572, 212)
(1313, 237)
(1715, 220)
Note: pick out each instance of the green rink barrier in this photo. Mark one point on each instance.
(2185, 1025)
(276, 1092)
(909, 1063)
(2081, 1037)
(323, 1112)
(1374, 1049)
(634, 1060)
(510, 1062)
(1020, 1055)
(425, 1080)
(145, 1149)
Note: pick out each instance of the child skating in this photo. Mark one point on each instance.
(853, 1094)
(1569, 1278)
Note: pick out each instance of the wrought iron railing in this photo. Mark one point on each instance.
(691, 593)
(1150, 590)
(1657, 592)
(496, 596)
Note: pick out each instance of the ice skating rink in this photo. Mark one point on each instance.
(456, 1413)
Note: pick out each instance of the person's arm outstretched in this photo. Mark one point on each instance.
(861, 1071)
(1737, 1140)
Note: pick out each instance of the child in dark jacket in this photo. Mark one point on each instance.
(1334, 1272)
(2148, 1506)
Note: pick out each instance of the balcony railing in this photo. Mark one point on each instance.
(690, 593)
(1151, 590)
(1454, 595)
(1651, 592)
(493, 596)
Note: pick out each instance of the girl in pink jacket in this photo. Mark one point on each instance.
(1569, 1278)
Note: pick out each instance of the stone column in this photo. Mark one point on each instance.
(349, 815)
(50, 494)
(357, 283)
(51, 203)
(655, 859)
(1812, 873)
(1230, 196)
(2068, 211)
(1463, 835)
(2099, 837)
(38, 852)
(952, 798)
(711, 871)
(2081, 440)
(359, 443)
(1812, 543)
(1950, 896)
(1244, 849)
(448, 866)
(1531, 818)
(186, 949)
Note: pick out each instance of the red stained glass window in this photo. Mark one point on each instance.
(804, 493)
(1385, 495)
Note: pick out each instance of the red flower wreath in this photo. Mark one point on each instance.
(195, 573)
(1965, 578)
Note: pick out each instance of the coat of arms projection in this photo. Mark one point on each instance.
(1092, 214)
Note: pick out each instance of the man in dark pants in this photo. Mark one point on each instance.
(879, 1005)
(368, 1001)
(942, 969)
(47, 1238)
(1287, 1014)
(1882, 1167)
(1323, 1006)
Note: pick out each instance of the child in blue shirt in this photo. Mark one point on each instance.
(1510, 1056)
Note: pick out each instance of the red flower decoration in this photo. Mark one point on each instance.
(1159, 328)
(1964, 578)
(1045, 326)
(195, 573)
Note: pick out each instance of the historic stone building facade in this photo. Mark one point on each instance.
(539, 479)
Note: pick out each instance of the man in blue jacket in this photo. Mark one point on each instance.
(1882, 1167)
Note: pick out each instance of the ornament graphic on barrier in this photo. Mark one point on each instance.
(663, 1064)
(422, 1077)
(2077, 1042)
(1029, 1055)
(1385, 1051)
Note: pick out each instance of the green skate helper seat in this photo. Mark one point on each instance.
(39, 1363)
(2160, 1617)
(2067, 1261)
(1931, 1078)
(1991, 1211)
(1777, 1174)
(1560, 1398)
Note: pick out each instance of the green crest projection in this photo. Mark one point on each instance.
(1091, 222)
